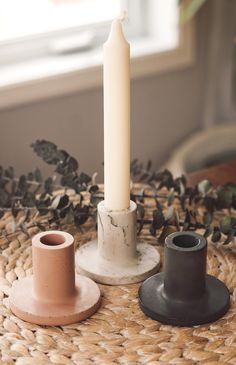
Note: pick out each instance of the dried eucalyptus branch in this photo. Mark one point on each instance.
(34, 195)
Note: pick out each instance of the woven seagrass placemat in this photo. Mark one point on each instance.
(119, 333)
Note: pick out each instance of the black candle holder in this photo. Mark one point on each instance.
(184, 295)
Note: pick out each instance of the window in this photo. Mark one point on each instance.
(49, 47)
(29, 28)
(32, 28)
(24, 18)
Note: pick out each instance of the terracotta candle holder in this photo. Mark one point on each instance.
(115, 257)
(184, 295)
(54, 295)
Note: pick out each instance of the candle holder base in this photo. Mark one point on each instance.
(93, 265)
(155, 304)
(184, 295)
(76, 308)
(54, 294)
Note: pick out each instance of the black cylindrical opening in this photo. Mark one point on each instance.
(185, 266)
(185, 241)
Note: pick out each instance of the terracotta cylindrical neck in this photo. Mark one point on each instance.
(185, 266)
(53, 266)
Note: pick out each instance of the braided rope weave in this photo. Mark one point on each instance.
(119, 333)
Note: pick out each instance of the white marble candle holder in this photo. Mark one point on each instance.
(115, 257)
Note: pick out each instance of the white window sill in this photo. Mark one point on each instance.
(53, 76)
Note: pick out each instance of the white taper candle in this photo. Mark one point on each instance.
(116, 81)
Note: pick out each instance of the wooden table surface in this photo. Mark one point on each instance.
(218, 175)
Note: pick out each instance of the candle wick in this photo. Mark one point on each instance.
(123, 16)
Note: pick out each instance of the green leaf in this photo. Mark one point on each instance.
(22, 185)
(187, 220)
(66, 167)
(166, 179)
(232, 187)
(4, 198)
(84, 178)
(96, 199)
(46, 150)
(169, 213)
(158, 218)
(81, 214)
(182, 188)
(141, 196)
(170, 196)
(140, 211)
(230, 237)
(55, 202)
(190, 10)
(30, 176)
(207, 219)
(9, 172)
(23, 227)
(93, 189)
(28, 199)
(208, 231)
(224, 197)
(177, 220)
(166, 231)
(38, 175)
(234, 202)
(157, 222)
(210, 203)
(227, 224)
(180, 185)
(62, 155)
(48, 185)
(204, 187)
(60, 202)
(69, 216)
(144, 176)
(216, 235)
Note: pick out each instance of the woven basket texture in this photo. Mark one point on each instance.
(119, 333)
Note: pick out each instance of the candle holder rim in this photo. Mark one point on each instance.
(202, 242)
(132, 206)
(68, 240)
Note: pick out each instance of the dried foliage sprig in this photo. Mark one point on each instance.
(177, 205)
